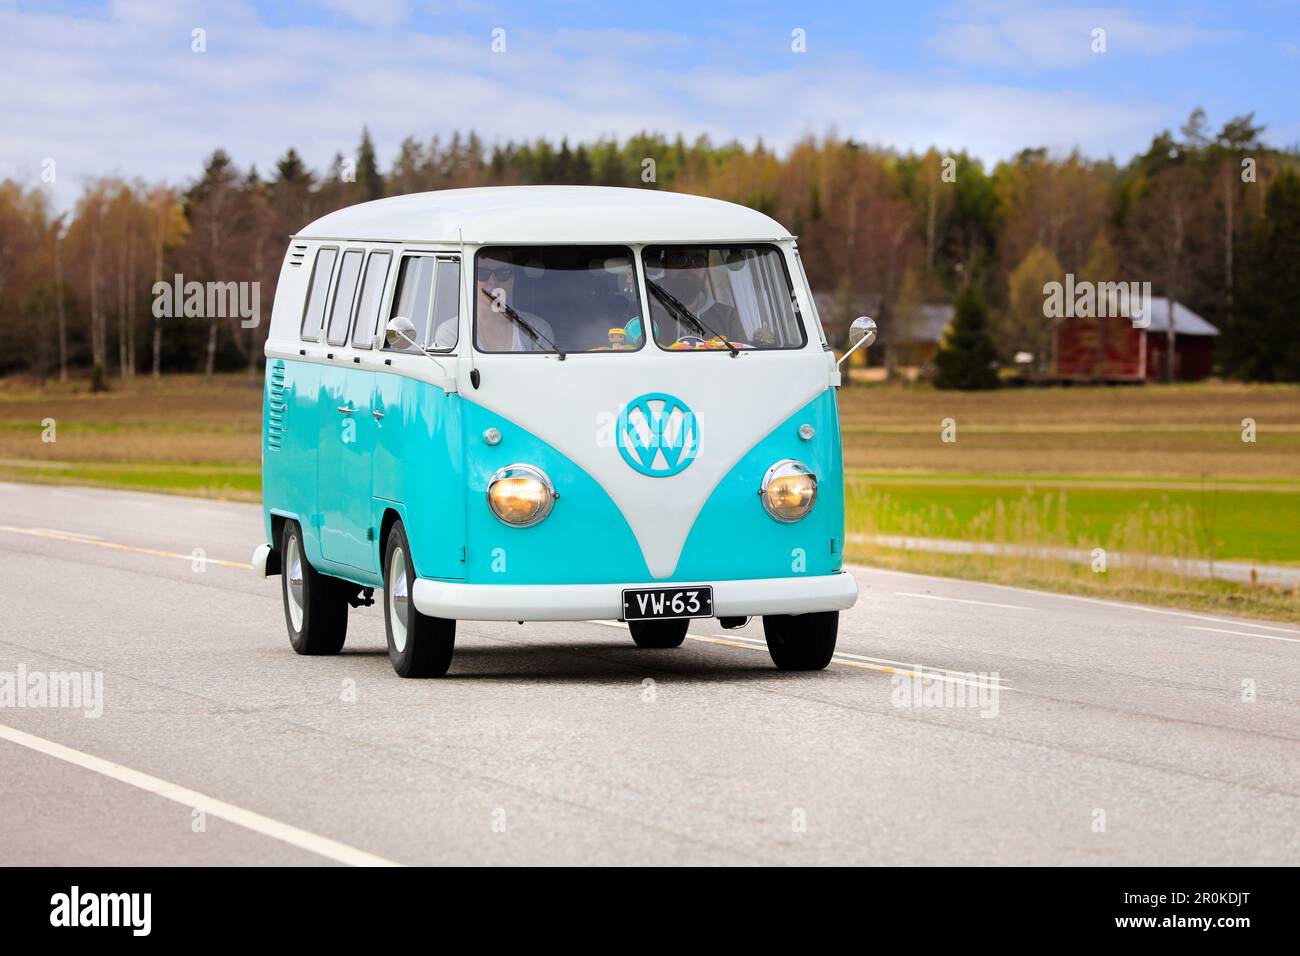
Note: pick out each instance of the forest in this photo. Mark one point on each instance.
(1211, 219)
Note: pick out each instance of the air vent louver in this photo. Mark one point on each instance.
(276, 407)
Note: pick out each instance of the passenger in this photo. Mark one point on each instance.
(686, 276)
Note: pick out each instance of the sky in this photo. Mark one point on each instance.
(117, 87)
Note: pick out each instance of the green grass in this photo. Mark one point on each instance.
(1254, 522)
(235, 482)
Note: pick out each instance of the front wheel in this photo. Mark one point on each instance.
(418, 646)
(801, 642)
(315, 604)
(658, 633)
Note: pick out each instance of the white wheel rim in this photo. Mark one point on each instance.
(398, 599)
(293, 561)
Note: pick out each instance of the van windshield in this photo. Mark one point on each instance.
(556, 299)
(706, 298)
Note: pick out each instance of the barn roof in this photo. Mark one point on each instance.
(1186, 322)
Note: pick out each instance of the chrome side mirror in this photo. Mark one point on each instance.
(862, 333)
(400, 333)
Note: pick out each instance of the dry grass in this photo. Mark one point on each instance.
(180, 419)
(1154, 430)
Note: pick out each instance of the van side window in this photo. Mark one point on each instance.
(344, 292)
(372, 291)
(446, 304)
(313, 315)
(414, 296)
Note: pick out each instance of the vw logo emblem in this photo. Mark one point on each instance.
(658, 435)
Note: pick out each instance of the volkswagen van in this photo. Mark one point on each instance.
(552, 404)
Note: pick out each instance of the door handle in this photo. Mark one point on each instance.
(378, 414)
(346, 409)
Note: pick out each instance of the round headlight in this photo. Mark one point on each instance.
(520, 495)
(788, 491)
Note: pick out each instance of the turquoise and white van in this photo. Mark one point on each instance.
(552, 404)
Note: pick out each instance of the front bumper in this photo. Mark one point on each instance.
(604, 602)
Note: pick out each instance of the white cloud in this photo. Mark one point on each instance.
(384, 13)
(1044, 36)
(124, 94)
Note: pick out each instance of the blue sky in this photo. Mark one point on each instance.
(114, 87)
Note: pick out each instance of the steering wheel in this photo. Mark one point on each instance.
(694, 341)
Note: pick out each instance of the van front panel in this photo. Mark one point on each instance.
(587, 538)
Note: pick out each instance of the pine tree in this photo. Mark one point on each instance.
(967, 356)
(370, 184)
(1260, 343)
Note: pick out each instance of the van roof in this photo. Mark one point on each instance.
(536, 214)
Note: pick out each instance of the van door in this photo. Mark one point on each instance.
(419, 454)
(347, 434)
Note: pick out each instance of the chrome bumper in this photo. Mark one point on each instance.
(604, 602)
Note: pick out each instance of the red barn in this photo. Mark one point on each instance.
(1112, 350)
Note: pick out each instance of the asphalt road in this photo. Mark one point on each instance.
(1054, 729)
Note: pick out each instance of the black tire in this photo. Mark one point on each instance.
(322, 625)
(801, 642)
(659, 634)
(427, 643)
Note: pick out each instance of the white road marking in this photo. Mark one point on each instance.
(311, 842)
(921, 667)
(1267, 637)
(936, 597)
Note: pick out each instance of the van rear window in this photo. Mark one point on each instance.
(344, 292)
(372, 291)
(313, 316)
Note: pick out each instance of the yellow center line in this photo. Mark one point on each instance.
(880, 668)
(56, 536)
(834, 660)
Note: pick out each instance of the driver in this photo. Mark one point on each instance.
(686, 276)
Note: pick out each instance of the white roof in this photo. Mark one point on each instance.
(1186, 322)
(534, 214)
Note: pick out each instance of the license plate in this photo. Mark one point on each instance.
(659, 604)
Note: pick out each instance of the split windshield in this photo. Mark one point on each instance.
(555, 299)
(721, 297)
(571, 299)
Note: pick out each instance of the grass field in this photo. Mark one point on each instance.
(1143, 470)
(181, 434)
(1201, 519)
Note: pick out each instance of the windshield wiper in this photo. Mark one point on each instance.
(675, 305)
(519, 320)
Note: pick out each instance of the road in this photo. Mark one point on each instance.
(1091, 732)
